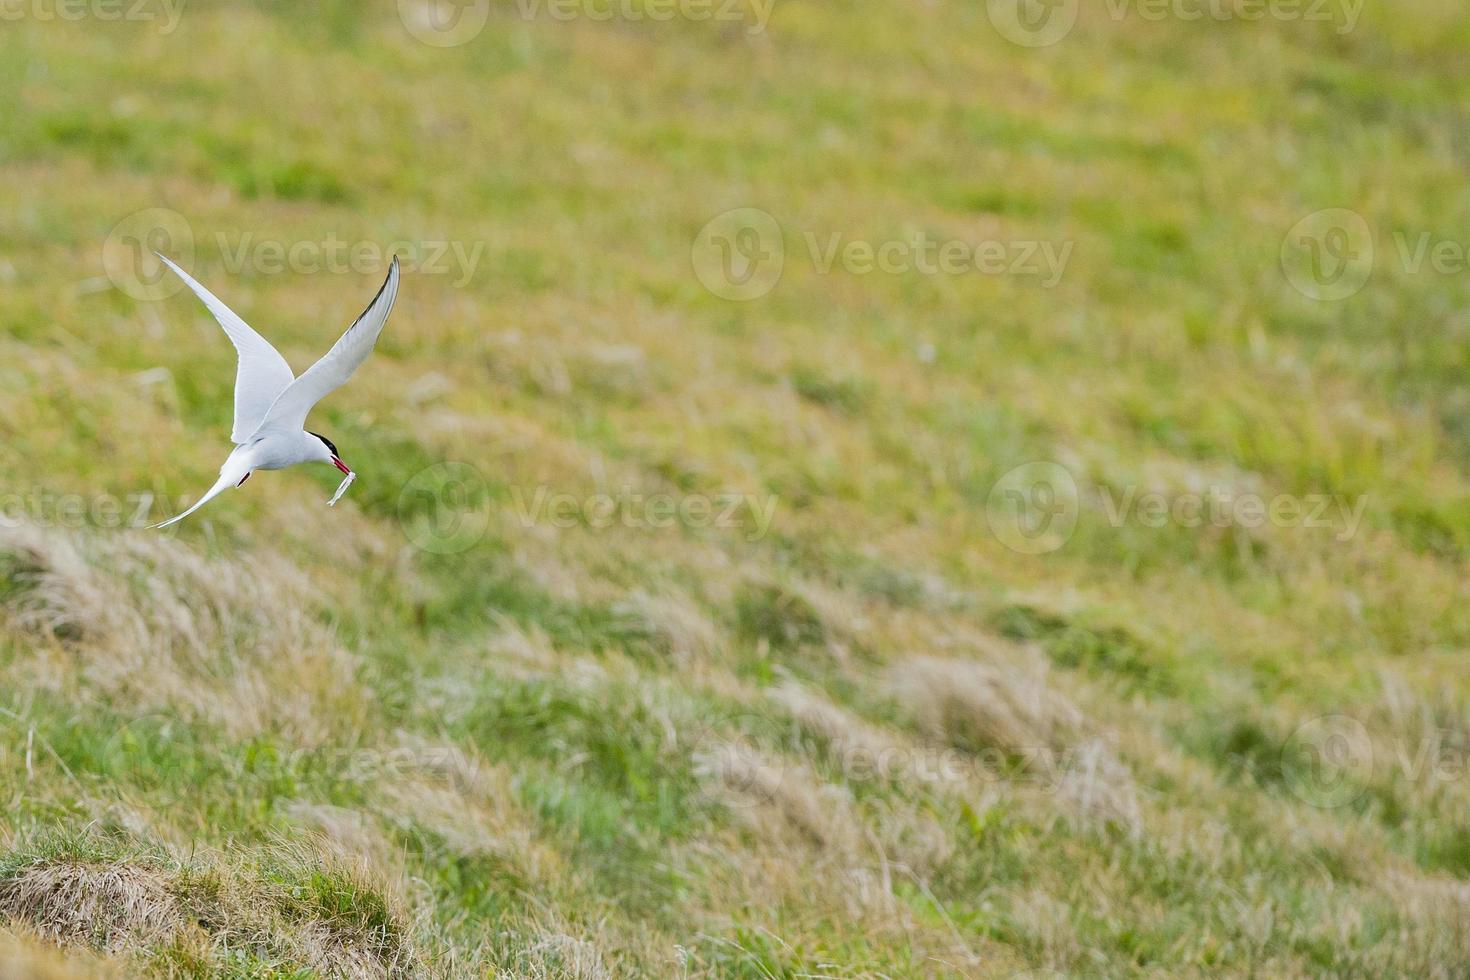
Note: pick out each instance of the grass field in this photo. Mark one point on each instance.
(843, 493)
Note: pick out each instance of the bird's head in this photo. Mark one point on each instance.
(329, 453)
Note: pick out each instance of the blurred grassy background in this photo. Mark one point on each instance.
(310, 745)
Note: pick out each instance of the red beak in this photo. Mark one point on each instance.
(341, 465)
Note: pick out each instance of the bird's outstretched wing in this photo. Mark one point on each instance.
(263, 373)
(288, 413)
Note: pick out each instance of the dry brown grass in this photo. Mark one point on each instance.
(468, 803)
(110, 907)
(294, 916)
(522, 649)
(1097, 788)
(27, 956)
(345, 833)
(1437, 920)
(975, 706)
(144, 621)
(782, 800)
(676, 622)
(1012, 709)
(558, 956)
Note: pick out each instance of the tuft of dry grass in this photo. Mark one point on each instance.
(984, 709)
(782, 800)
(110, 907)
(311, 908)
(143, 620)
(557, 956)
(975, 706)
(677, 623)
(343, 832)
(1098, 789)
(859, 748)
(468, 803)
(1436, 928)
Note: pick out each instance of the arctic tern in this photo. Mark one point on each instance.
(271, 403)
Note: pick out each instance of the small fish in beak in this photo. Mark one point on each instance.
(346, 482)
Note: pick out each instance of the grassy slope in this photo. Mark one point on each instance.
(575, 750)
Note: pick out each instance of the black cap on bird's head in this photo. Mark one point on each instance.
(332, 448)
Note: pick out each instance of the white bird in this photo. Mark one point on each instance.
(271, 403)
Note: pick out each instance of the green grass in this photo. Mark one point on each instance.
(435, 729)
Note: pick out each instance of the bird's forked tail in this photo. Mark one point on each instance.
(226, 481)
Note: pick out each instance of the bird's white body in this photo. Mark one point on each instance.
(271, 403)
(278, 450)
